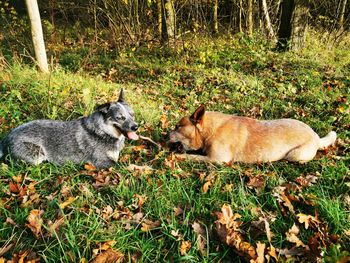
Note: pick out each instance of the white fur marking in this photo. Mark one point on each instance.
(113, 155)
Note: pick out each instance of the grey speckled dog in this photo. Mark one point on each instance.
(97, 139)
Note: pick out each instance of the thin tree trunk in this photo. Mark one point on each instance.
(240, 16)
(268, 21)
(342, 13)
(250, 17)
(215, 17)
(37, 35)
(299, 24)
(285, 27)
(170, 20)
(160, 17)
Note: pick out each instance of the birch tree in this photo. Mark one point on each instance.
(37, 35)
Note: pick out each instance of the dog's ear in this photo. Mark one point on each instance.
(197, 116)
(103, 108)
(121, 96)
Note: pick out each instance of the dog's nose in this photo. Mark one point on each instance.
(134, 127)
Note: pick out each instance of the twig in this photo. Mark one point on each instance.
(151, 141)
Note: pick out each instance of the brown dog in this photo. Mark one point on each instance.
(229, 138)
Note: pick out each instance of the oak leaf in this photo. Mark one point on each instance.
(185, 246)
(109, 256)
(35, 222)
(148, 225)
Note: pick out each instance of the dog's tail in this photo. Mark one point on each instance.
(328, 140)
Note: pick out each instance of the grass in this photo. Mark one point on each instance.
(234, 75)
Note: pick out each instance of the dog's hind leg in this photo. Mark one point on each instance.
(28, 152)
(302, 153)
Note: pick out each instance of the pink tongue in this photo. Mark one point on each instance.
(132, 136)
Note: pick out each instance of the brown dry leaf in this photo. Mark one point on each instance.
(228, 230)
(143, 169)
(279, 192)
(306, 181)
(206, 186)
(70, 200)
(177, 234)
(256, 182)
(272, 252)
(308, 220)
(109, 256)
(170, 161)
(11, 222)
(15, 188)
(35, 222)
(107, 245)
(54, 226)
(89, 167)
(148, 225)
(185, 247)
(3, 250)
(201, 237)
(164, 122)
(260, 250)
(17, 179)
(141, 199)
(178, 211)
(292, 236)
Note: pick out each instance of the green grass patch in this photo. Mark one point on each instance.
(234, 75)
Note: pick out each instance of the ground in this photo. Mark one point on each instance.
(165, 209)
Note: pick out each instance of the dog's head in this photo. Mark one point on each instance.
(119, 116)
(188, 131)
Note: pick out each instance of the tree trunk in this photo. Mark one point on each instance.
(160, 17)
(285, 27)
(299, 24)
(170, 20)
(215, 17)
(240, 16)
(250, 17)
(37, 35)
(341, 16)
(268, 21)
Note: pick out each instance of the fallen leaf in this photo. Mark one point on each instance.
(272, 252)
(206, 186)
(54, 226)
(107, 245)
(307, 220)
(260, 250)
(185, 246)
(164, 122)
(11, 222)
(15, 188)
(228, 230)
(306, 181)
(89, 167)
(109, 256)
(279, 192)
(70, 200)
(148, 225)
(201, 237)
(35, 222)
(178, 211)
(3, 250)
(292, 236)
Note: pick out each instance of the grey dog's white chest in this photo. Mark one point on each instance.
(113, 154)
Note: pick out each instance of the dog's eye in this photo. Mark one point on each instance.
(122, 118)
